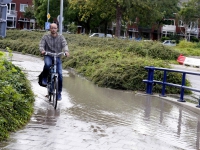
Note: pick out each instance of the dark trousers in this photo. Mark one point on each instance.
(48, 61)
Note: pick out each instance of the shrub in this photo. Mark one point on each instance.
(186, 44)
(164, 38)
(119, 70)
(16, 105)
(194, 39)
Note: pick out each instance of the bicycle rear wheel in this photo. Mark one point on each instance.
(55, 92)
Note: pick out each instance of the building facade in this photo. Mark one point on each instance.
(170, 27)
(15, 18)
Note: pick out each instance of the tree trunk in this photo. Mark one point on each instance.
(186, 28)
(106, 27)
(118, 20)
(159, 31)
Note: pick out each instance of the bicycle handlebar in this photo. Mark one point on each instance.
(54, 54)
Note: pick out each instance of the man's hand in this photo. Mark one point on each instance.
(43, 52)
(67, 54)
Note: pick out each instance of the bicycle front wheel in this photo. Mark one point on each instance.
(55, 92)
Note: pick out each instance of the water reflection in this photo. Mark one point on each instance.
(179, 123)
(198, 134)
(161, 111)
(148, 107)
(144, 114)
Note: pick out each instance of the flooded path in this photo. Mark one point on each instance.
(94, 118)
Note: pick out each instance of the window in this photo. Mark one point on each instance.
(11, 22)
(169, 22)
(23, 7)
(180, 23)
(13, 6)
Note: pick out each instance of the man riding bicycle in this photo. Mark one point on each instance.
(53, 43)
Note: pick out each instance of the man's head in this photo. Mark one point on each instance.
(53, 29)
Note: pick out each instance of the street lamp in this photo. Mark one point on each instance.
(47, 10)
(61, 17)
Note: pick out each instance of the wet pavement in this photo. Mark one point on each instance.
(94, 118)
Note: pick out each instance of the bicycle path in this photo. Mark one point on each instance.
(93, 118)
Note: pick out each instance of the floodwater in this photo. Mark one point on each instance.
(146, 115)
(94, 118)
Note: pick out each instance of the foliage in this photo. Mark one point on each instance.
(159, 10)
(100, 14)
(119, 70)
(189, 15)
(164, 38)
(189, 48)
(194, 39)
(16, 105)
(9, 53)
(29, 12)
(186, 44)
(92, 13)
(113, 63)
(40, 7)
(72, 28)
(174, 37)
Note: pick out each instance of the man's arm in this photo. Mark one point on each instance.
(42, 45)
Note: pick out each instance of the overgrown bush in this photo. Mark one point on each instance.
(16, 105)
(186, 44)
(188, 48)
(154, 50)
(119, 70)
(194, 39)
(164, 38)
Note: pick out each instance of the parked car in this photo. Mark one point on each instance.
(100, 35)
(169, 43)
(109, 36)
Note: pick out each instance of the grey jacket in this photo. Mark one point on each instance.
(53, 44)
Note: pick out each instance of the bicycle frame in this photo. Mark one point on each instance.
(52, 84)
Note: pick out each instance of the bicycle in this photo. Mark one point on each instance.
(52, 79)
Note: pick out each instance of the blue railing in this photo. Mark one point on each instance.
(150, 81)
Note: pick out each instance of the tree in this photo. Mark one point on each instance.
(189, 14)
(152, 12)
(92, 12)
(29, 12)
(165, 9)
(40, 9)
(122, 13)
(103, 11)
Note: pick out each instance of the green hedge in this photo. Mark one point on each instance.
(16, 105)
(119, 70)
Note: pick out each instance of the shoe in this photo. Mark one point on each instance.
(44, 81)
(59, 98)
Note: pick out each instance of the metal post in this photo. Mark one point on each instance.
(150, 80)
(182, 89)
(163, 85)
(47, 9)
(61, 16)
(3, 20)
(198, 103)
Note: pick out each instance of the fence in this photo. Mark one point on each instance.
(150, 81)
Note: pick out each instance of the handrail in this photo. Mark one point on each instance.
(150, 81)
